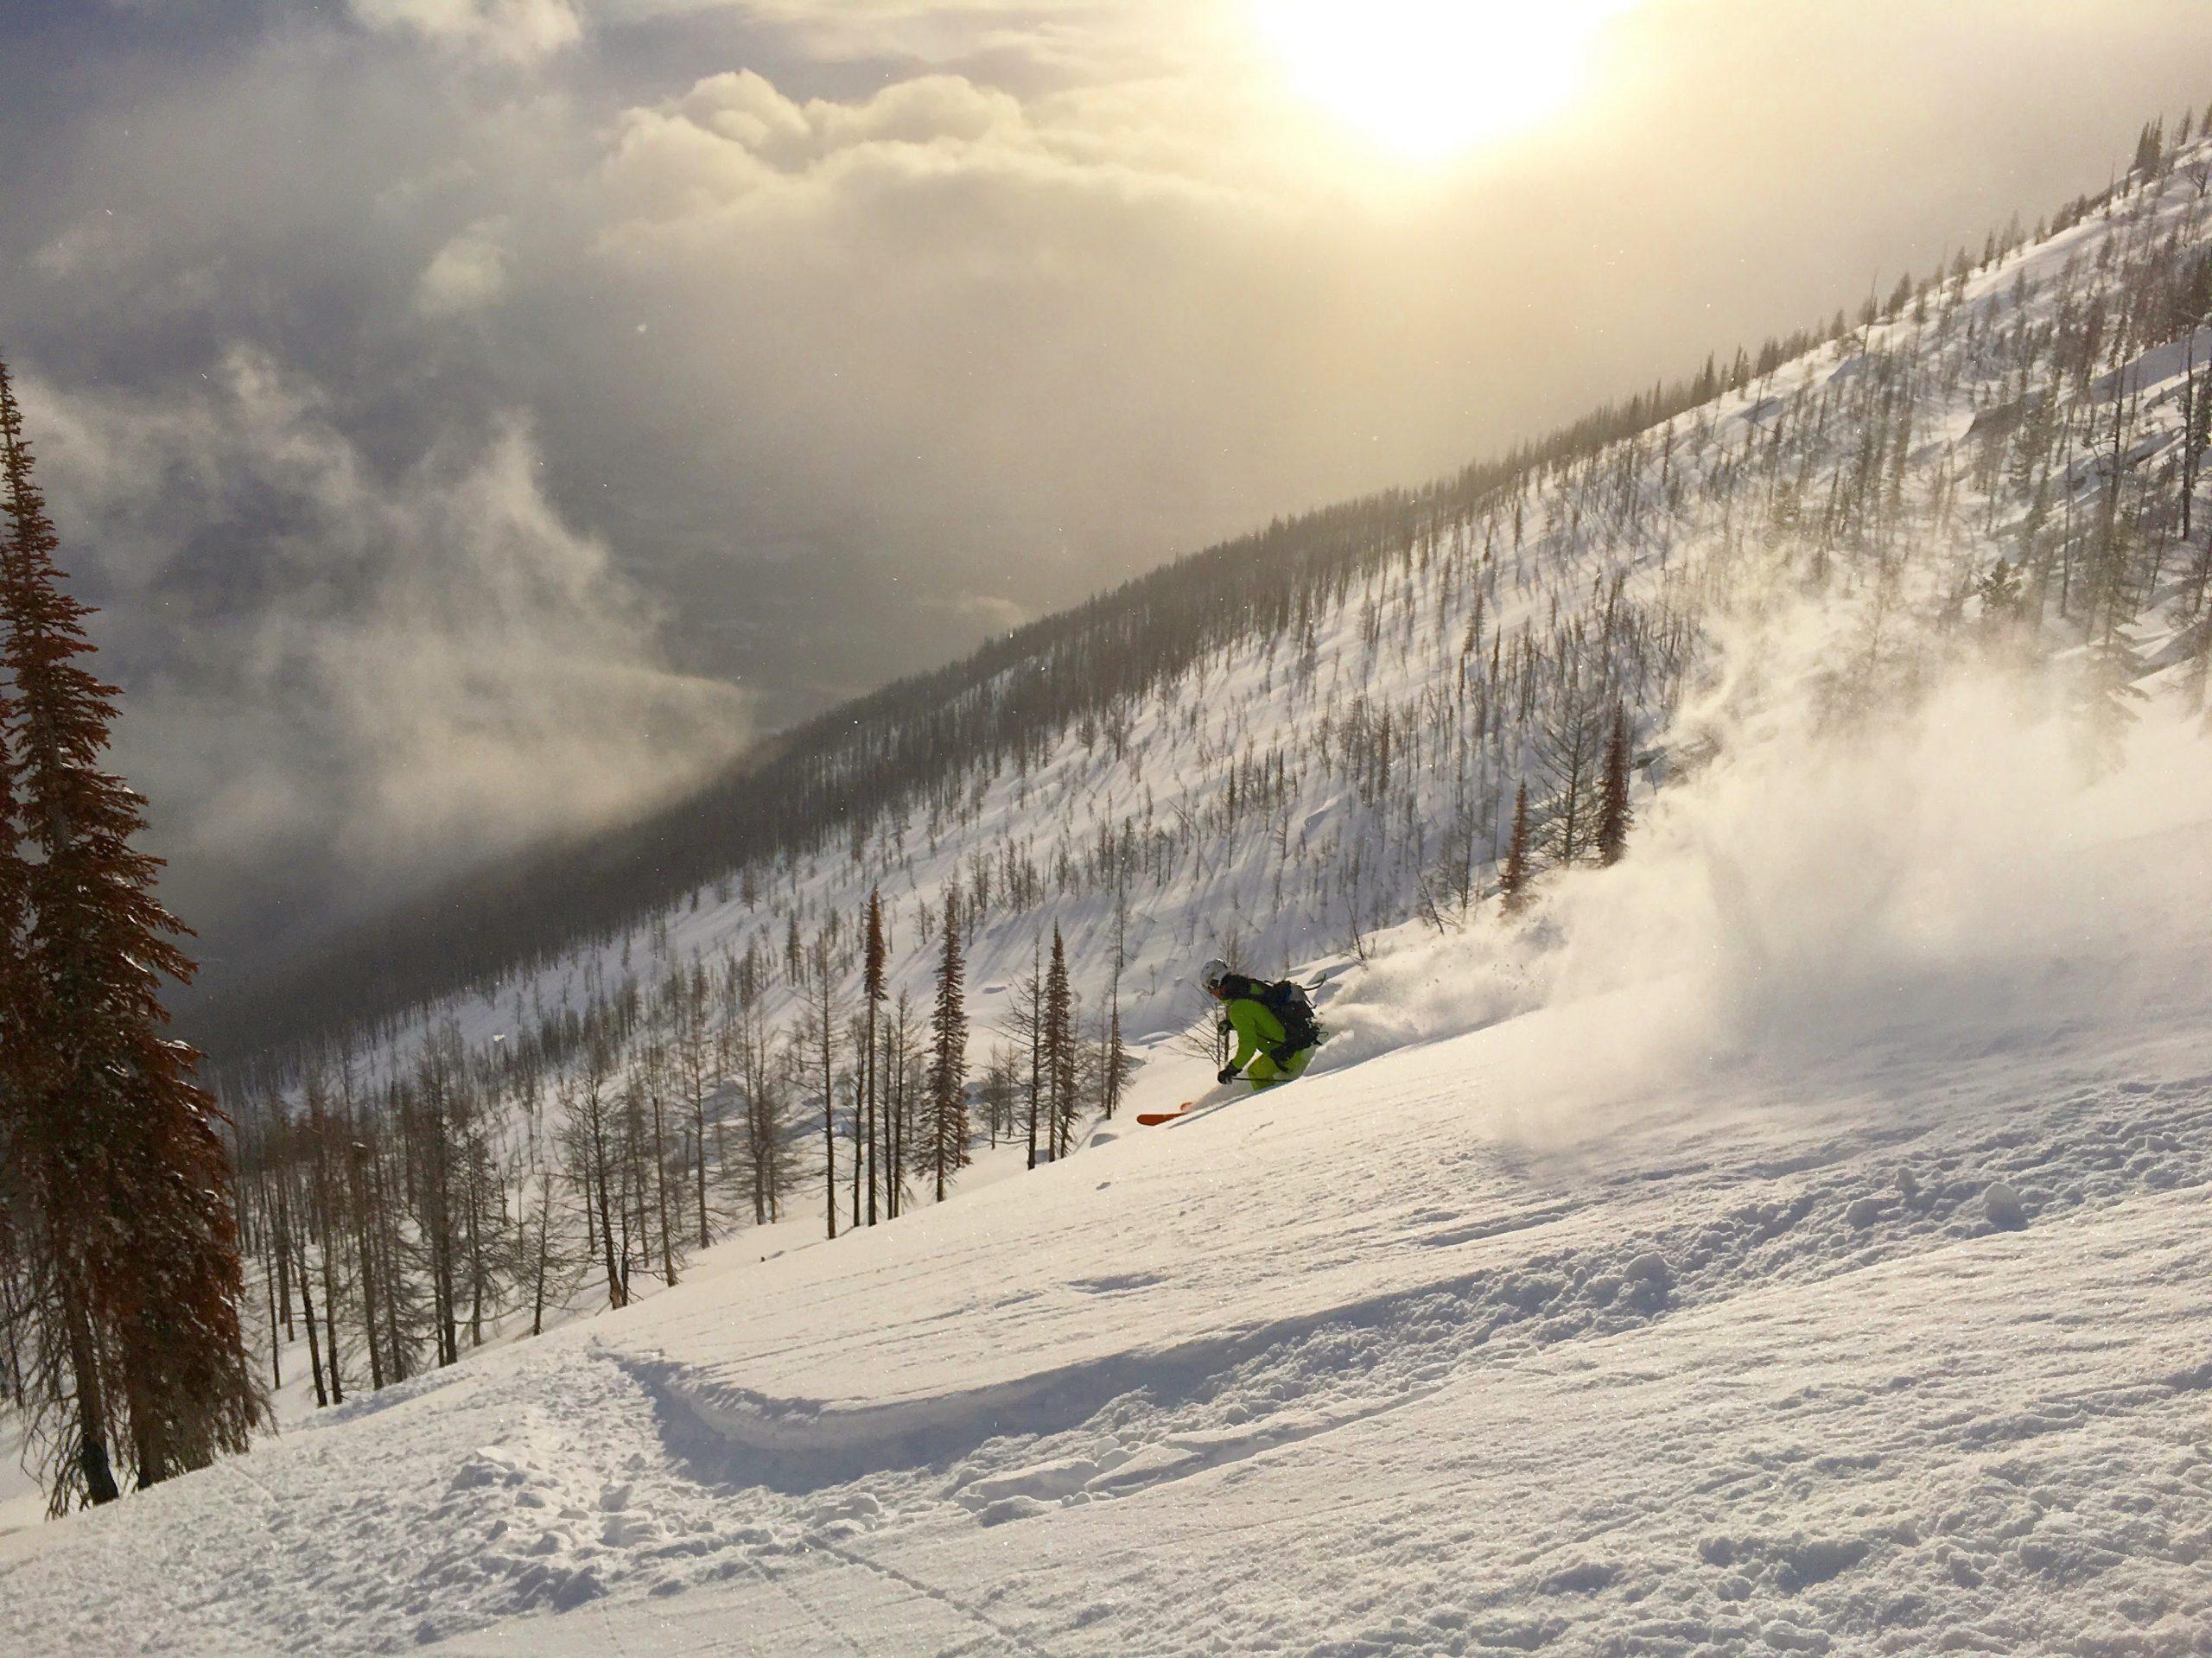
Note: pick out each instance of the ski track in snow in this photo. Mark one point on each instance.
(1337, 1370)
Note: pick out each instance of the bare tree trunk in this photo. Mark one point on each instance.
(275, 1339)
(387, 1243)
(616, 1278)
(660, 1188)
(699, 1160)
(825, 1013)
(477, 1269)
(364, 1255)
(282, 1244)
(330, 1232)
(545, 1256)
(92, 1400)
(307, 1312)
(12, 1313)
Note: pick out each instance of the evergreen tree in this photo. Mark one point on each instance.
(19, 1185)
(904, 1099)
(819, 1041)
(1025, 1023)
(2150, 148)
(123, 1178)
(1569, 755)
(1059, 1045)
(1115, 1068)
(2104, 703)
(1616, 816)
(872, 993)
(1513, 880)
(948, 1076)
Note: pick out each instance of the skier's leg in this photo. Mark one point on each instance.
(1296, 1067)
(1262, 1072)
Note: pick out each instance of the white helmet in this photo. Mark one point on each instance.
(1212, 974)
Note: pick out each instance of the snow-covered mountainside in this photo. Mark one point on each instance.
(1830, 1279)
(1787, 1238)
(1292, 743)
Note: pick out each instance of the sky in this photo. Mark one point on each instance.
(478, 418)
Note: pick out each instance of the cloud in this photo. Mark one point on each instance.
(467, 274)
(514, 31)
(1000, 615)
(734, 133)
(406, 668)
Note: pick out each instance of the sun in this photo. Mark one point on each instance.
(1431, 78)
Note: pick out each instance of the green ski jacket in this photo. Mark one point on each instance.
(1257, 1030)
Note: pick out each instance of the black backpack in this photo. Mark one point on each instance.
(1287, 1000)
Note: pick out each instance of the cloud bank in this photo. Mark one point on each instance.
(433, 668)
(515, 31)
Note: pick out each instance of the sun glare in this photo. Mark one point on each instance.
(1430, 79)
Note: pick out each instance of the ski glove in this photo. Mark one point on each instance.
(1228, 1074)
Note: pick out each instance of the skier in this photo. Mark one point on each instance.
(1276, 1032)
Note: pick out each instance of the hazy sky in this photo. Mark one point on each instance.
(474, 415)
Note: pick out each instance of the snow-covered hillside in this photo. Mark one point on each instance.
(1790, 1238)
(1831, 1279)
(1291, 789)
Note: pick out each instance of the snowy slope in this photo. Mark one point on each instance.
(1283, 795)
(1838, 1279)
(1791, 1240)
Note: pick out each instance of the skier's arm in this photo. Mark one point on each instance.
(1245, 1017)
